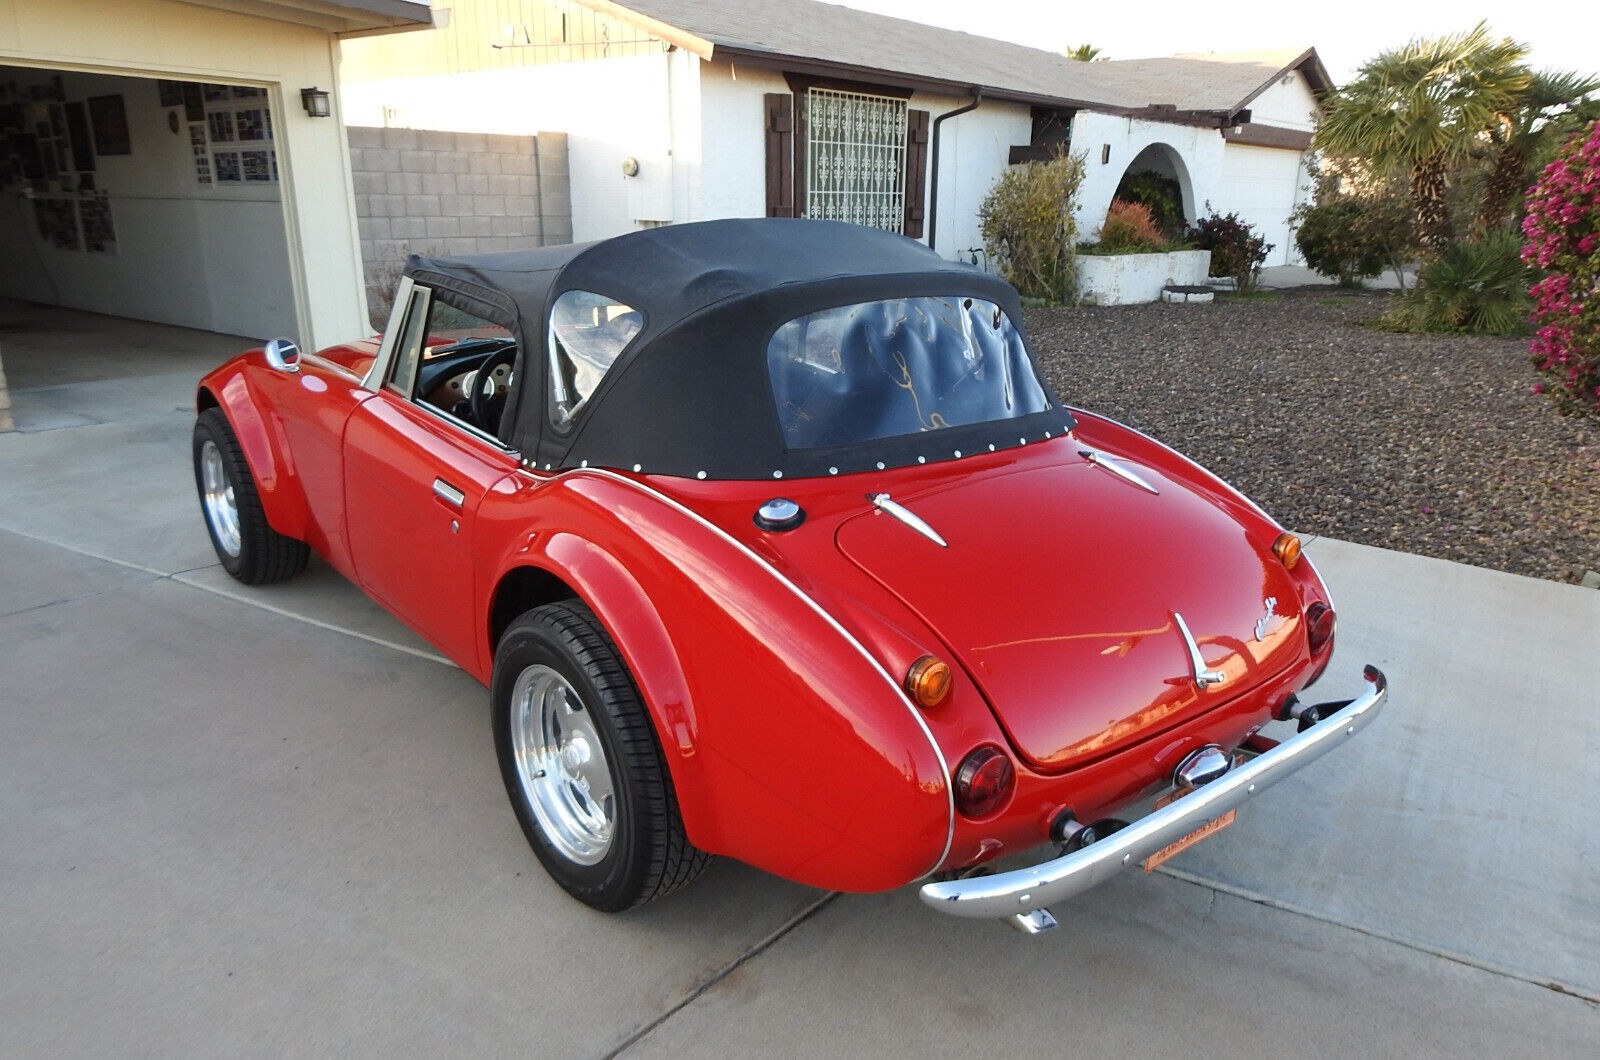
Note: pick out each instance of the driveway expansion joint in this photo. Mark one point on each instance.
(1215, 886)
(177, 578)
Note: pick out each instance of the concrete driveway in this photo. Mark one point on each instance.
(269, 821)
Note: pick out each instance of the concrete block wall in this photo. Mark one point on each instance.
(421, 191)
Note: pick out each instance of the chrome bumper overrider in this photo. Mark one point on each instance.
(1021, 891)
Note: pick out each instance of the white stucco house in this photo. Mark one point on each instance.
(681, 110)
(159, 159)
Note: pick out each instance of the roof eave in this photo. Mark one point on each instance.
(1309, 63)
(726, 52)
(655, 27)
(341, 17)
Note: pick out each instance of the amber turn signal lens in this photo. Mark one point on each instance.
(928, 681)
(1287, 549)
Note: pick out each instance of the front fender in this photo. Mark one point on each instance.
(790, 748)
(265, 447)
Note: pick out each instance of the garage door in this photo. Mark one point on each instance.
(1262, 185)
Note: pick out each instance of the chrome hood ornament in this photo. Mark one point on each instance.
(1203, 678)
(882, 502)
(1128, 475)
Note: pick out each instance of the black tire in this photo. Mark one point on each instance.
(250, 549)
(645, 854)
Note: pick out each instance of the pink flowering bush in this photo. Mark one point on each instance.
(1563, 231)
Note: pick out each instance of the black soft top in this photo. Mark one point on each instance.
(691, 395)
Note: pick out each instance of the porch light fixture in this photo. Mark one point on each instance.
(316, 102)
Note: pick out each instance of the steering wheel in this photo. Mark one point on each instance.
(486, 397)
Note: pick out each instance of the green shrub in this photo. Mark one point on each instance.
(1028, 228)
(1129, 229)
(1476, 287)
(1236, 249)
(1352, 236)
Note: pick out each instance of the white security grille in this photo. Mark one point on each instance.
(855, 158)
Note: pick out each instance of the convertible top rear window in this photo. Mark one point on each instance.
(588, 332)
(897, 367)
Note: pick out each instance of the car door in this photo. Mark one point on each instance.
(415, 473)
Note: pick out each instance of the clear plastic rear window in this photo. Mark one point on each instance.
(896, 367)
(587, 333)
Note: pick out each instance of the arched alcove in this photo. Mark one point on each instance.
(1167, 167)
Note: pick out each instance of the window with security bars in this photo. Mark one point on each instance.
(855, 158)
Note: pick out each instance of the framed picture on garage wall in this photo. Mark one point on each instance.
(108, 117)
(237, 134)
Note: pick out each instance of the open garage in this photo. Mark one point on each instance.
(183, 162)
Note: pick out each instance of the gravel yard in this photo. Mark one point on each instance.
(1428, 444)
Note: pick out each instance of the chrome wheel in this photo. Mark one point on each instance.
(562, 765)
(216, 496)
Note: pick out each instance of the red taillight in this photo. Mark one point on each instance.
(1320, 622)
(983, 781)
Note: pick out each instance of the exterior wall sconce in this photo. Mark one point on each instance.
(315, 101)
(630, 167)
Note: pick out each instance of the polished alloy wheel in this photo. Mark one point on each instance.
(216, 495)
(562, 765)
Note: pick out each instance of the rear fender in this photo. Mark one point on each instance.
(265, 447)
(789, 747)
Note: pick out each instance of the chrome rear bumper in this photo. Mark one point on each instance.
(1021, 891)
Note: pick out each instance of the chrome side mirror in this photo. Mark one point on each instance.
(283, 355)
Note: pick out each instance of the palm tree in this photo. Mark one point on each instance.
(1421, 108)
(1516, 134)
(1084, 53)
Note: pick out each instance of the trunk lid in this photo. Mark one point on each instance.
(1057, 593)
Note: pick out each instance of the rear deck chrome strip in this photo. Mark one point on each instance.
(1099, 459)
(882, 502)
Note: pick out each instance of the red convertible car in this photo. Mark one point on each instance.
(770, 541)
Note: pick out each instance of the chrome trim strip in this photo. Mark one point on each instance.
(1022, 890)
(1099, 459)
(332, 367)
(1156, 441)
(448, 493)
(944, 764)
(1203, 678)
(456, 422)
(882, 502)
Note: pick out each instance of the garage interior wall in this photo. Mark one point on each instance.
(209, 255)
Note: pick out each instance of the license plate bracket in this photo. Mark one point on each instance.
(1178, 846)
